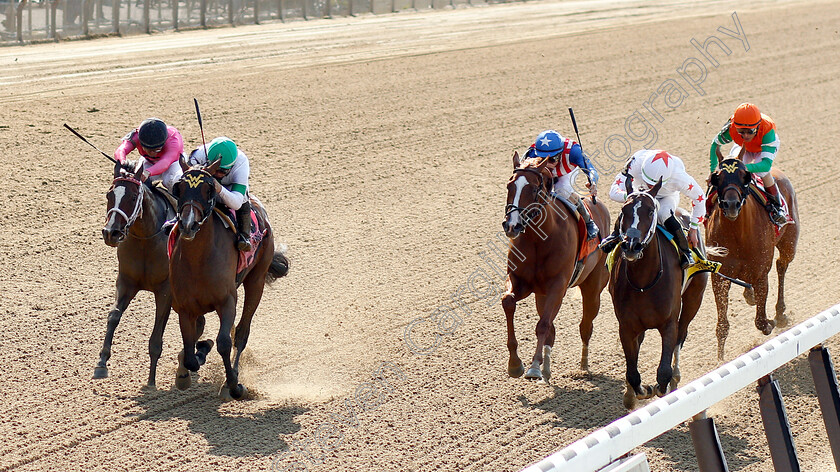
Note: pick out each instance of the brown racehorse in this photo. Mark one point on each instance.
(135, 226)
(646, 289)
(202, 269)
(543, 253)
(741, 224)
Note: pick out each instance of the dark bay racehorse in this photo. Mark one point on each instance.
(543, 253)
(135, 226)
(741, 224)
(646, 289)
(202, 270)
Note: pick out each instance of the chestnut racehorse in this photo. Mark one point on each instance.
(646, 286)
(135, 226)
(202, 269)
(544, 241)
(741, 224)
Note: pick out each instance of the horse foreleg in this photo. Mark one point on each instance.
(633, 380)
(547, 307)
(515, 292)
(664, 372)
(163, 305)
(782, 263)
(720, 287)
(186, 358)
(761, 322)
(232, 387)
(124, 296)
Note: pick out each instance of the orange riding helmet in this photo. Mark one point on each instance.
(746, 116)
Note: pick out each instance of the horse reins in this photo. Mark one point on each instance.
(138, 206)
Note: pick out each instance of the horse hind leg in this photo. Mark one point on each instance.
(590, 292)
(720, 287)
(253, 294)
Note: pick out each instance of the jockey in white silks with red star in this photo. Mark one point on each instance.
(644, 169)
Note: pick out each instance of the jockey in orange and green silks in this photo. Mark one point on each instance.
(756, 144)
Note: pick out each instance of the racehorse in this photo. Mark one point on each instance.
(203, 273)
(646, 286)
(545, 258)
(135, 226)
(742, 225)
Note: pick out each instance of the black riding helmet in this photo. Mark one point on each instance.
(152, 133)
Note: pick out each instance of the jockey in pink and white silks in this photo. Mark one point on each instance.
(644, 169)
(159, 146)
(564, 156)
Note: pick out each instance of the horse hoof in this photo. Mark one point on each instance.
(533, 374)
(782, 320)
(150, 387)
(629, 400)
(183, 380)
(647, 394)
(100, 372)
(517, 371)
(768, 327)
(227, 395)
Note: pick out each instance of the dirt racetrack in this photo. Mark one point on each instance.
(381, 147)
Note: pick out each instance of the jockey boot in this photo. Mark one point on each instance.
(243, 221)
(591, 227)
(774, 206)
(610, 242)
(674, 227)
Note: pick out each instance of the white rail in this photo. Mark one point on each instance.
(618, 438)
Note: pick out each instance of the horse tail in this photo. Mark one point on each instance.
(717, 251)
(279, 265)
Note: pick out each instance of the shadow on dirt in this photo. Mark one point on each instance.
(229, 433)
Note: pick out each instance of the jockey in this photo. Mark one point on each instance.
(231, 182)
(159, 146)
(754, 134)
(644, 169)
(564, 155)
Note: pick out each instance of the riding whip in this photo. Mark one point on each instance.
(574, 124)
(91, 144)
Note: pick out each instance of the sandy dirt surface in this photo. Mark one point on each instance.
(381, 147)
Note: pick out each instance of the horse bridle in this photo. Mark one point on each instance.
(138, 206)
(742, 189)
(647, 239)
(194, 180)
(633, 231)
(534, 212)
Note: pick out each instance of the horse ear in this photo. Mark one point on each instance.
(184, 165)
(542, 164)
(515, 159)
(714, 179)
(747, 177)
(213, 167)
(656, 188)
(138, 173)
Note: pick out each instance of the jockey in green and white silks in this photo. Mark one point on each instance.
(231, 182)
(754, 134)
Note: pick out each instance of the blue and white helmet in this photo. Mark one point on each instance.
(548, 143)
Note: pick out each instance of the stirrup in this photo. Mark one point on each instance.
(686, 259)
(591, 230)
(243, 244)
(777, 216)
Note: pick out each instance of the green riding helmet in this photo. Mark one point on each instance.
(222, 148)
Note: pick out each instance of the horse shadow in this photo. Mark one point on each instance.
(205, 415)
(674, 445)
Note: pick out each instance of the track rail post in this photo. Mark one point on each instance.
(776, 426)
(707, 444)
